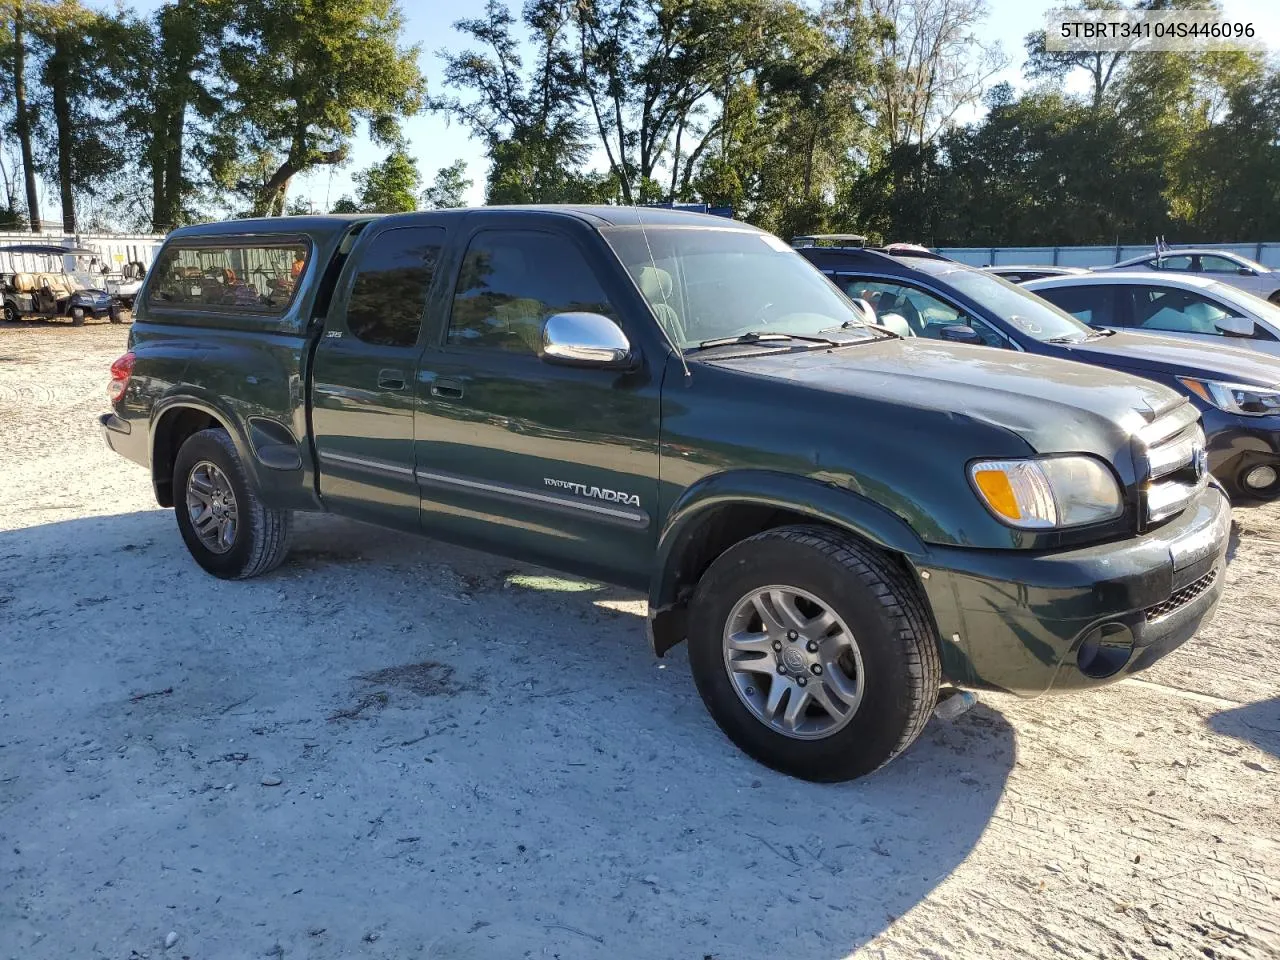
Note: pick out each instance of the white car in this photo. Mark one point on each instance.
(1021, 273)
(1177, 305)
(1221, 265)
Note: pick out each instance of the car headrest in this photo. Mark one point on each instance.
(897, 323)
(655, 283)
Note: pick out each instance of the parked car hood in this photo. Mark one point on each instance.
(1170, 356)
(1055, 405)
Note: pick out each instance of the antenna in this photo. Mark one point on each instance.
(684, 364)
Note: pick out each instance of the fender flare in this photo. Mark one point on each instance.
(177, 402)
(822, 501)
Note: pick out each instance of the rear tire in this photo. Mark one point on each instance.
(890, 653)
(257, 538)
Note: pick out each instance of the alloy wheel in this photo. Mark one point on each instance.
(793, 662)
(211, 505)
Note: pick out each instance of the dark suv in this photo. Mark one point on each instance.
(921, 294)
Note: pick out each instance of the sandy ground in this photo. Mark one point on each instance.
(391, 747)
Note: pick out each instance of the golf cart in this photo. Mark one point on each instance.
(47, 290)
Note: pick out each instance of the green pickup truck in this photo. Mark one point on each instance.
(836, 519)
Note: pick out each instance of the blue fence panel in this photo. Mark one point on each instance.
(1267, 253)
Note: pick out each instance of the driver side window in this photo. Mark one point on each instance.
(1212, 264)
(1174, 310)
(925, 314)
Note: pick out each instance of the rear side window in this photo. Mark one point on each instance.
(253, 277)
(393, 279)
(511, 281)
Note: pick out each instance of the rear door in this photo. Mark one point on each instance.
(549, 463)
(362, 392)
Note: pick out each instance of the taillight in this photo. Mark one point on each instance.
(121, 370)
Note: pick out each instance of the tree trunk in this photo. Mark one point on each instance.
(60, 74)
(271, 197)
(23, 120)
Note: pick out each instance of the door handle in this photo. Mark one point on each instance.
(447, 389)
(390, 379)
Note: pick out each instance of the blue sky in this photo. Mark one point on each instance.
(436, 143)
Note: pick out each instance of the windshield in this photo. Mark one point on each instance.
(1018, 307)
(1247, 303)
(708, 283)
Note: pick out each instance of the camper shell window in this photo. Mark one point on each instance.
(250, 276)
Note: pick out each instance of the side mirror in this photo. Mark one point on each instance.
(584, 340)
(1244, 271)
(1235, 326)
(961, 333)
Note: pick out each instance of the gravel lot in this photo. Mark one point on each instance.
(391, 747)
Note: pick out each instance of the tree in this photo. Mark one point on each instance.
(934, 64)
(178, 95)
(301, 74)
(529, 120)
(16, 11)
(449, 188)
(1102, 66)
(650, 71)
(80, 53)
(390, 186)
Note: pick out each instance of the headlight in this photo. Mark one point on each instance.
(1236, 397)
(1047, 492)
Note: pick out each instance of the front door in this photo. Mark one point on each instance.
(550, 463)
(362, 394)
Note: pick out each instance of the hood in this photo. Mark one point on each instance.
(1055, 405)
(1170, 356)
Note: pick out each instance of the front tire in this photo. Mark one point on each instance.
(227, 528)
(814, 652)
(11, 313)
(77, 316)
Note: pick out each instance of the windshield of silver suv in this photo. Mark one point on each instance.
(711, 284)
(1024, 310)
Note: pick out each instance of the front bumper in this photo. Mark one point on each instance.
(1069, 619)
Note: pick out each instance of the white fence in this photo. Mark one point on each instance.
(1267, 254)
(110, 250)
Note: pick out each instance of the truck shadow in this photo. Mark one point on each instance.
(1256, 723)
(488, 750)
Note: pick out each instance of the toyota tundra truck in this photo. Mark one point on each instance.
(836, 520)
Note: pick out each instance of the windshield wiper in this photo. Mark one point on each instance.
(755, 336)
(1100, 334)
(1066, 338)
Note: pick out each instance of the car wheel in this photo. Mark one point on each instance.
(227, 528)
(813, 652)
(114, 314)
(10, 313)
(1275, 298)
(77, 316)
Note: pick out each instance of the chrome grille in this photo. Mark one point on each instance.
(1181, 597)
(1173, 449)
